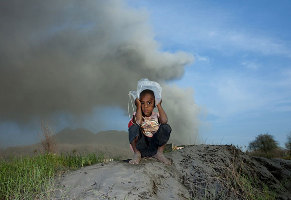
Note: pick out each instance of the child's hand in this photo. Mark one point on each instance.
(163, 119)
(160, 103)
(137, 102)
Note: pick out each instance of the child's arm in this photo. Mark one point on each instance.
(138, 114)
(163, 116)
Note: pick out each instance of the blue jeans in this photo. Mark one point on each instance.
(148, 146)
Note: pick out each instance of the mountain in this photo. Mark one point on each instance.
(84, 136)
(74, 136)
(111, 143)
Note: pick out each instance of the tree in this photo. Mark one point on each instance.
(48, 143)
(288, 144)
(264, 143)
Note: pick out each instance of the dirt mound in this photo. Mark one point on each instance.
(225, 172)
(197, 172)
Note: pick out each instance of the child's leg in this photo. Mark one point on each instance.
(160, 155)
(133, 138)
(137, 155)
(162, 138)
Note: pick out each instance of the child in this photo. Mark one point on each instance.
(148, 131)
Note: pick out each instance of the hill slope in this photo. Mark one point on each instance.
(197, 172)
(84, 136)
(111, 143)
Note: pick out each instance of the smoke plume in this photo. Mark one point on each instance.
(70, 56)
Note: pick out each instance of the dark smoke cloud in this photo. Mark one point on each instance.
(70, 56)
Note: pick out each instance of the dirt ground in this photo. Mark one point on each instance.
(197, 172)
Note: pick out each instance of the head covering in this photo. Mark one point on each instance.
(145, 84)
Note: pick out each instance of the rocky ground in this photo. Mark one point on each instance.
(197, 172)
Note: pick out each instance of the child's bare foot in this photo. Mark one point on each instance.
(162, 158)
(136, 158)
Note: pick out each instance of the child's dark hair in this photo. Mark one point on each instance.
(147, 91)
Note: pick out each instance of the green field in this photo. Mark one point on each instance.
(32, 177)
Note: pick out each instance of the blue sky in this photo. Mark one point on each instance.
(242, 70)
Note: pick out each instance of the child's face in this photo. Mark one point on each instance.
(147, 104)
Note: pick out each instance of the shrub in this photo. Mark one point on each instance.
(288, 144)
(264, 145)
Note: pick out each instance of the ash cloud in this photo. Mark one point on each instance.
(182, 113)
(70, 56)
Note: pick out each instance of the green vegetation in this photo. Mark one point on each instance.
(264, 143)
(265, 146)
(33, 177)
(245, 182)
(252, 189)
(288, 145)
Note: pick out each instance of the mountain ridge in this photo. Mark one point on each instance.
(109, 142)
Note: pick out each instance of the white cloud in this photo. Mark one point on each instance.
(236, 94)
(251, 65)
(226, 40)
(213, 28)
(231, 94)
(201, 58)
(255, 43)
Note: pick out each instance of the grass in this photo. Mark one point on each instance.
(249, 185)
(253, 191)
(276, 153)
(33, 177)
(235, 178)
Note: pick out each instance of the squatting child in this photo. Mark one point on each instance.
(148, 130)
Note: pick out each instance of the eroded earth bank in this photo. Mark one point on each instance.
(197, 172)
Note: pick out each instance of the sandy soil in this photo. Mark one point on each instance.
(197, 172)
(120, 180)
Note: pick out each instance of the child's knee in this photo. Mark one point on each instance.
(133, 132)
(163, 135)
(166, 128)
